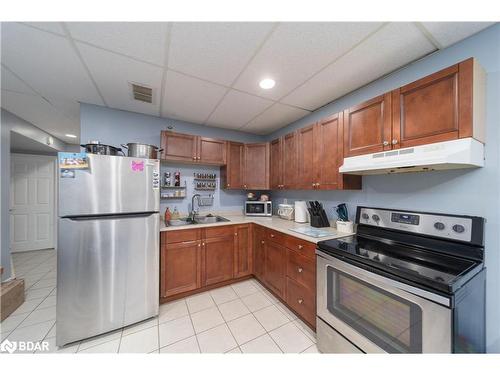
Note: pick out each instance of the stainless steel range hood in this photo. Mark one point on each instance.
(456, 154)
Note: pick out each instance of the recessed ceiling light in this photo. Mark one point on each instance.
(267, 83)
(70, 135)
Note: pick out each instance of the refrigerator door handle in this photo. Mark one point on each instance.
(109, 217)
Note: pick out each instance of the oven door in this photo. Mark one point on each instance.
(380, 315)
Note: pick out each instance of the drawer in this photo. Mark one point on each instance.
(305, 248)
(301, 269)
(183, 235)
(275, 236)
(219, 231)
(302, 300)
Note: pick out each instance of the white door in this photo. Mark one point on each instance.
(31, 202)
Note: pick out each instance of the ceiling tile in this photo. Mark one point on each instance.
(53, 27)
(10, 82)
(297, 50)
(40, 113)
(274, 118)
(236, 109)
(215, 51)
(114, 73)
(395, 45)
(188, 98)
(143, 40)
(46, 62)
(448, 33)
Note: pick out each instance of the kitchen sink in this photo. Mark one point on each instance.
(208, 219)
(205, 219)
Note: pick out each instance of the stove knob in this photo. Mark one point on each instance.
(458, 228)
(439, 226)
(376, 218)
(365, 216)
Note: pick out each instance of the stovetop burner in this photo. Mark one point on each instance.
(439, 271)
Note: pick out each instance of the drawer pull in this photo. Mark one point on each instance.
(236, 233)
(199, 245)
(299, 269)
(300, 300)
(301, 247)
(262, 242)
(272, 235)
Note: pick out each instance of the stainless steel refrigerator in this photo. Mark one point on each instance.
(108, 246)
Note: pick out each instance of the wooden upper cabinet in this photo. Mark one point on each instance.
(306, 144)
(256, 171)
(192, 148)
(211, 151)
(367, 126)
(289, 159)
(232, 172)
(328, 152)
(243, 258)
(179, 147)
(276, 164)
(439, 107)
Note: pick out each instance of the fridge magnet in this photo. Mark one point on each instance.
(73, 160)
(137, 166)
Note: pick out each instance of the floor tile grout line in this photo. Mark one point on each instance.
(192, 324)
(231, 332)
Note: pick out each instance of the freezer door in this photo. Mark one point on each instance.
(111, 184)
(107, 274)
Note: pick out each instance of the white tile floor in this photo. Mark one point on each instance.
(240, 318)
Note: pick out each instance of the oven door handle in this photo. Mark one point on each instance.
(381, 280)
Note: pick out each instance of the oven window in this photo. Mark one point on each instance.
(389, 321)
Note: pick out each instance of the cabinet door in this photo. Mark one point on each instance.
(306, 144)
(328, 153)
(367, 127)
(232, 172)
(211, 151)
(275, 267)
(243, 250)
(218, 259)
(289, 161)
(276, 164)
(256, 174)
(259, 255)
(179, 147)
(427, 111)
(180, 265)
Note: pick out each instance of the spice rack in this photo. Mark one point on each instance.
(205, 181)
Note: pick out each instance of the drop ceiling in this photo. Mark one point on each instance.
(206, 73)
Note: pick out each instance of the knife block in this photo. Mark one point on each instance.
(318, 222)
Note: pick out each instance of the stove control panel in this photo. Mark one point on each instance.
(445, 226)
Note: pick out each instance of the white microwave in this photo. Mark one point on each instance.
(258, 208)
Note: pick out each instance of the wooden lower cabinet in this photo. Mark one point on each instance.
(243, 255)
(180, 266)
(218, 259)
(201, 259)
(275, 267)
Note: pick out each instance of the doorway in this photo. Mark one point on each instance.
(32, 202)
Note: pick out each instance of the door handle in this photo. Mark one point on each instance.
(394, 141)
(385, 143)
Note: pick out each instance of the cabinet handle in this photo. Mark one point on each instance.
(199, 245)
(235, 233)
(299, 269)
(228, 185)
(300, 300)
(301, 247)
(385, 143)
(314, 184)
(262, 242)
(272, 235)
(394, 141)
(203, 243)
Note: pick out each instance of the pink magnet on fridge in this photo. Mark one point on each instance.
(137, 166)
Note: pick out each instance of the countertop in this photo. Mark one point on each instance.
(273, 222)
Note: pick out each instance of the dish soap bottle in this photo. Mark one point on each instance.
(175, 214)
(168, 216)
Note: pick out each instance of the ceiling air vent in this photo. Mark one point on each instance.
(142, 93)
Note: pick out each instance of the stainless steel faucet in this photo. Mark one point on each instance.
(193, 211)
